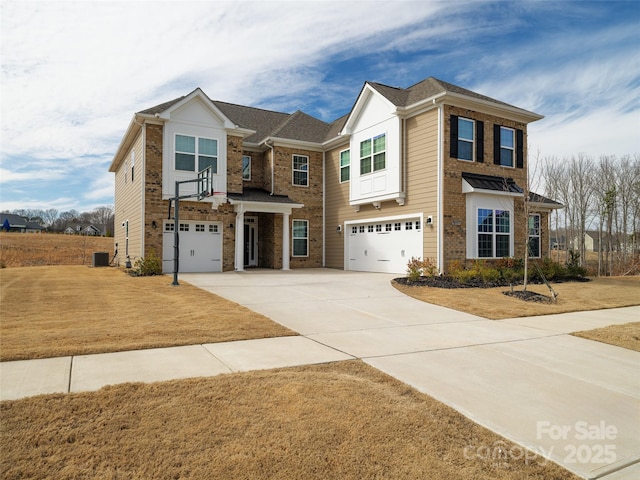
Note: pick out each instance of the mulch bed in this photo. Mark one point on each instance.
(445, 281)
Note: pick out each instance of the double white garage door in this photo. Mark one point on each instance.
(200, 247)
(383, 246)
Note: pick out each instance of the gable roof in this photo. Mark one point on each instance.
(260, 124)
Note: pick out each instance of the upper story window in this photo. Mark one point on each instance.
(507, 146)
(188, 149)
(345, 163)
(465, 139)
(301, 170)
(133, 164)
(246, 167)
(373, 156)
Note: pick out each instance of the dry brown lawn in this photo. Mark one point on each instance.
(626, 335)
(32, 249)
(344, 421)
(72, 310)
(599, 293)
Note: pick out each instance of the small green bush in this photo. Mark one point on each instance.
(148, 266)
(417, 268)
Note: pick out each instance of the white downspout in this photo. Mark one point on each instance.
(440, 228)
(273, 166)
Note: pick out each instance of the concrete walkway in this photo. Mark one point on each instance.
(572, 400)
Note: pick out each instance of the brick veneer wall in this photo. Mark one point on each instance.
(156, 209)
(454, 202)
(310, 196)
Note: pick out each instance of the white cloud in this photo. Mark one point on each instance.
(73, 73)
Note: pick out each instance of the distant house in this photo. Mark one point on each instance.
(86, 229)
(17, 223)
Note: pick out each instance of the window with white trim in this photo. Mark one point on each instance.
(465, 139)
(507, 146)
(246, 167)
(300, 238)
(300, 170)
(188, 149)
(345, 164)
(493, 233)
(534, 235)
(133, 163)
(373, 156)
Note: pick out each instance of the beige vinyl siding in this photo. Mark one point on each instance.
(422, 174)
(337, 209)
(128, 203)
(422, 187)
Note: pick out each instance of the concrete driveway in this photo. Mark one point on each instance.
(574, 401)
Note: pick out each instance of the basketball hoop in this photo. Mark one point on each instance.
(218, 198)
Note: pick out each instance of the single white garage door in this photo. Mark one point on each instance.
(200, 247)
(383, 246)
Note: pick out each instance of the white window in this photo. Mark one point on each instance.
(188, 149)
(199, 227)
(373, 154)
(493, 233)
(168, 227)
(133, 164)
(213, 228)
(465, 139)
(534, 235)
(301, 170)
(300, 238)
(387, 227)
(507, 146)
(354, 229)
(345, 163)
(184, 227)
(246, 167)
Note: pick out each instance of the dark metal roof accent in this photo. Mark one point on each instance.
(537, 198)
(489, 182)
(259, 195)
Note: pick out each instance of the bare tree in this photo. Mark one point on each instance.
(50, 216)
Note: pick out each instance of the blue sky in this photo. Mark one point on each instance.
(73, 73)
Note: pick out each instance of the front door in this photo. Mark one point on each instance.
(250, 241)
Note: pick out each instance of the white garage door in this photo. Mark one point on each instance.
(200, 247)
(383, 246)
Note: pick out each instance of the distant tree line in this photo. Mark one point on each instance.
(601, 197)
(55, 221)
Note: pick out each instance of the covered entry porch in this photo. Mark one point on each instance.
(262, 229)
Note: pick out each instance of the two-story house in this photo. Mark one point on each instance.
(433, 170)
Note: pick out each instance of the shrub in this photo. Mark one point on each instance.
(417, 268)
(148, 266)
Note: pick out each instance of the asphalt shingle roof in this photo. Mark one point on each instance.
(303, 127)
